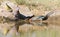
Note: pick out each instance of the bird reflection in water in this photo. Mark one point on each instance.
(20, 19)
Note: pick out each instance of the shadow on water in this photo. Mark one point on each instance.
(42, 24)
(22, 22)
(52, 29)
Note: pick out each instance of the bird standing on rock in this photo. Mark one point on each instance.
(38, 20)
(21, 16)
(17, 14)
(18, 17)
(42, 17)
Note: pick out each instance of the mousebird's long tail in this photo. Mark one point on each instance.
(50, 13)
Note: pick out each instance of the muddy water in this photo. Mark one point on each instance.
(48, 28)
